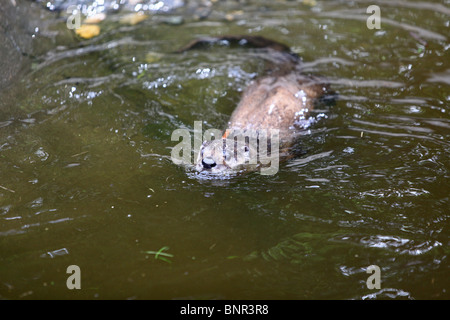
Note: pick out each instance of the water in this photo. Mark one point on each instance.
(87, 180)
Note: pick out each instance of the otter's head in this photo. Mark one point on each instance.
(223, 156)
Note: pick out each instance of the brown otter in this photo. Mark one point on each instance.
(273, 111)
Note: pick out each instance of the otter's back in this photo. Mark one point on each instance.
(277, 102)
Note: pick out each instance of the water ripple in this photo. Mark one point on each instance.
(352, 15)
(395, 244)
(391, 293)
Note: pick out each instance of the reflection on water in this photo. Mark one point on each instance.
(87, 179)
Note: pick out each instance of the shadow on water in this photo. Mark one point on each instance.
(87, 178)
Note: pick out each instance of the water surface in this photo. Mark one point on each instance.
(87, 180)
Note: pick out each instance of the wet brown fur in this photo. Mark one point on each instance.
(277, 102)
(280, 100)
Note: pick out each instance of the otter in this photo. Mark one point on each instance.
(277, 104)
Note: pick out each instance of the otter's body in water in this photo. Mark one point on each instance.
(278, 102)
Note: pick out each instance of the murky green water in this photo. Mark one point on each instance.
(86, 177)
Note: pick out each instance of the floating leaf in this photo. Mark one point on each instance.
(165, 259)
(87, 31)
(160, 255)
(133, 18)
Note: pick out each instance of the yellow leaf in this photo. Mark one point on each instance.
(133, 18)
(87, 31)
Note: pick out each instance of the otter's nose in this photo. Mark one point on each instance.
(208, 163)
